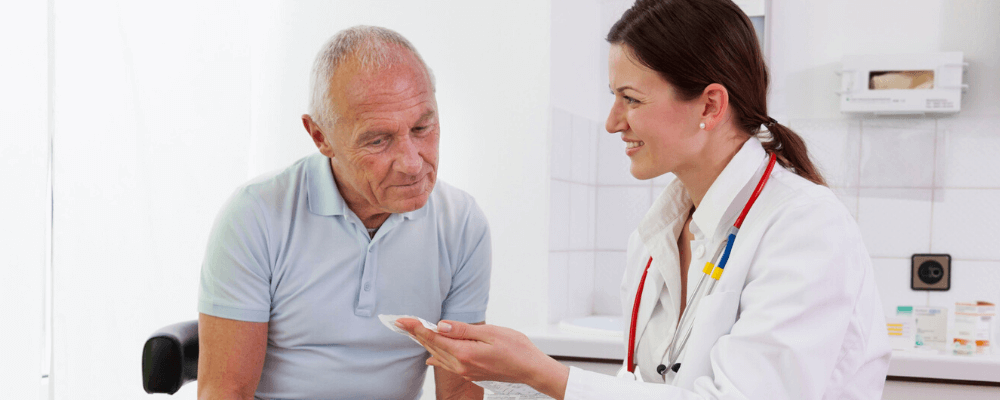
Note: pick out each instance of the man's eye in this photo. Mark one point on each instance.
(377, 142)
(419, 128)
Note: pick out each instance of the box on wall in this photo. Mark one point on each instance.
(902, 83)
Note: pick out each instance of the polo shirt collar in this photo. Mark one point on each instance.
(325, 199)
(718, 205)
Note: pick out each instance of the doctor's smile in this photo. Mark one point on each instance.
(632, 146)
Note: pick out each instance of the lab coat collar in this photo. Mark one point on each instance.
(659, 231)
(325, 199)
(662, 225)
(718, 209)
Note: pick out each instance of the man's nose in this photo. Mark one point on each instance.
(408, 160)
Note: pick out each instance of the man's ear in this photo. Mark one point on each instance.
(317, 135)
(716, 103)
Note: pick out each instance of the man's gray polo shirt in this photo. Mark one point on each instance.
(286, 250)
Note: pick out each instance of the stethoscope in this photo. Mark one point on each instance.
(713, 269)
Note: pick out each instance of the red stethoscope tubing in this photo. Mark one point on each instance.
(635, 315)
(642, 281)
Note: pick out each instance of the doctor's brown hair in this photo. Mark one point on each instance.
(694, 43)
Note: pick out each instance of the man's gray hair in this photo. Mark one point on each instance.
(371, 46)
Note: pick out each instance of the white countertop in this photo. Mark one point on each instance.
(913, 364)
(557, 342)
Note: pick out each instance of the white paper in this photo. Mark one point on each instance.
(509, 391)
(494, 390)
(390, 322)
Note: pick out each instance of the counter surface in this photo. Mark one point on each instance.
(557, 342)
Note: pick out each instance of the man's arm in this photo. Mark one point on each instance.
(231, 357)
(448, 386)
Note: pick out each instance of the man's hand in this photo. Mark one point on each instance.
(231, 357)
(488, 352)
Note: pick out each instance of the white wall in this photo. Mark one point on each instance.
(918, 184)
(162, 110)
(491, 62)
(24, 132)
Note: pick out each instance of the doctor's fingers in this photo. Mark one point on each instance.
(464, 331)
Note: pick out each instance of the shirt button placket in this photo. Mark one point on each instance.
(366, 296)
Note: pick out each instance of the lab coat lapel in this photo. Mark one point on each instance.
(725, 199)
(659, 230)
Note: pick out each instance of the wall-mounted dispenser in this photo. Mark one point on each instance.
(902, 83)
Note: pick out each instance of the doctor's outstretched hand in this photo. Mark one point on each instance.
(489, 353)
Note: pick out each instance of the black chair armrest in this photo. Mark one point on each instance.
(170, 358)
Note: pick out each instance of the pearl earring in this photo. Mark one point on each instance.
(701, 125)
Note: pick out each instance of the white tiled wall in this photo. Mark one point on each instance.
(595, 205)
(915, 185)
(922, 185)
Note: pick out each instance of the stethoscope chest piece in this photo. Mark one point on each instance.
(623, 373)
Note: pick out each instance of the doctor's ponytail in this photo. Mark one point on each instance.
(694, 43)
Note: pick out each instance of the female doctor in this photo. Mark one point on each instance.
(792, 314)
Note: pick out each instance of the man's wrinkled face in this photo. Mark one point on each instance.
(385, 142)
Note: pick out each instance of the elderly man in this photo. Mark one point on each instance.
(300, 264)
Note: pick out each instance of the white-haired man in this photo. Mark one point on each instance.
(300, 264)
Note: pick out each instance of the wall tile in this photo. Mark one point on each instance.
(561, 144)
(967, 153)
(559, 215)
(583, 150)
(592, 213)
(612, 163)
(834, 146)
(892, 275)
(897, 152)
(609, 267)
(581, 217)
(971, 281)
(619, 210)
(558, 285)
(895, 222)
(580, 287)
(598, 132)
(848, 196)
(967, 223)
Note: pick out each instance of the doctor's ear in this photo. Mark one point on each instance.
(715, 102)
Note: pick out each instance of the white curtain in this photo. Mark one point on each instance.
(163, 108)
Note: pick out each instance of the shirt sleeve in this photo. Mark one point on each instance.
(470, 284)
(236, 273)
(795, 309)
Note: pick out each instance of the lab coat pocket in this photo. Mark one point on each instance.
(714, 319)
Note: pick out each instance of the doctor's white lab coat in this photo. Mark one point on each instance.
(796, 314)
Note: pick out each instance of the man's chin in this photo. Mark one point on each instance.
(411, 204)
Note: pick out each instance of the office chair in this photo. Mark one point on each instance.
(170, 358)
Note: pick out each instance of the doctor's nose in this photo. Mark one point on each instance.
(616, 120)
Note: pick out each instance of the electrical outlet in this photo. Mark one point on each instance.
(930, 272)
